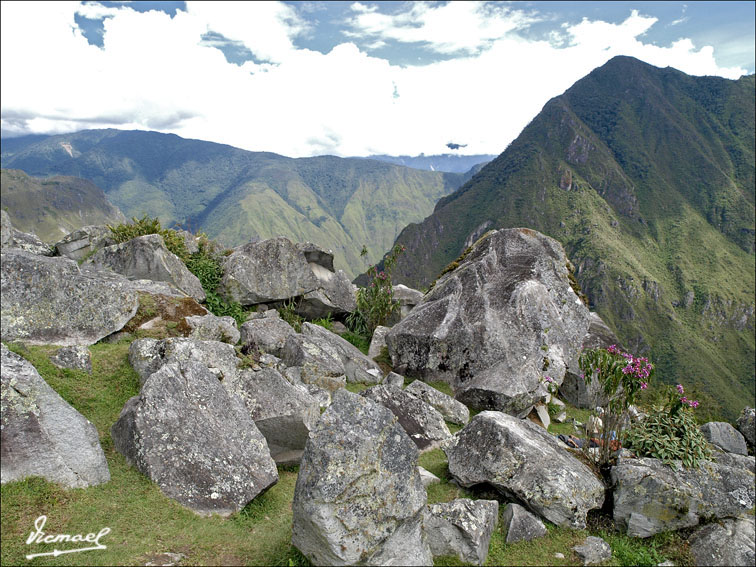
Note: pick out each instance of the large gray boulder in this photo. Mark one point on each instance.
(357, 367)
(724, 436)
(462, 527)
(84, 241)
(496, 324)
(359, 499)
(452, 410)
(747, 425)
(276, 270)
(524, 462)
(42, 435)
(521, 525)
(211, 328)
(50, 301)
(424, 425)
(74, 358)
(378, 342)
(26, 241)
(197, 442)
(147, 258)
(267, 333)
(593, 550)
(651, 497)
(726, 542)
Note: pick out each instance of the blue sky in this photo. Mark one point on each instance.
(343, 78)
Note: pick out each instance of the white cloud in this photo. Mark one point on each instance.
(155, 72)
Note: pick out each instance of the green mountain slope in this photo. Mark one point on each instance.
(236, 195)
(53, 207)
(646, 176)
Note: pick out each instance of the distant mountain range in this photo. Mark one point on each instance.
(451, 163)
(236, 196)
(646, 176)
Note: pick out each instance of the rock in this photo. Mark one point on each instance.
(166, 559)
(725, 436)
(734, 460)
(195, 441)
(523, 461)
(462, 527)
(593, 550)
(521, 525)
(427, 477)
(42, 435)
(6, 229)
(452, 410)
(147, 356)
(73, 357)
(541, 414)
(747, 425)
(359, 499)
(651, 497)
(393, 380)
(146, 257)
(378, 342)
(424, 425)
(211, 328)
(727, 542)
(482, 327)
(573, 388)
(26, 241)
(277, 270)
(407, 297)
(267, 333)
(191, 242)
(84, 241)
(50, 301)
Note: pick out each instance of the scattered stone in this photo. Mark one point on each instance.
(424, 425)
(166, 559)
(559, 555)
(523, 461)
(42, 435)
(452, 410)
(725, 436)
(393, 380)
(427, 477)
(727, 542)
(73, 357)
(212, 328)
(359, 499)
(462, 527)
(521, 525)
(541, 414)
(84, 241)
(378, 342)
(593, 550)
(197, 442)
(747, 425)
(50, 301)
(268, 333)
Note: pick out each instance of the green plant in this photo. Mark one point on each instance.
(146, 225)
(288, 312)
(325, 322)
(670, 432)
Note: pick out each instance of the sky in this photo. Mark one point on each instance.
(341, 78)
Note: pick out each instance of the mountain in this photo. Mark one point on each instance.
(646, 176)
(53, 207)
(234, 195)
(445, 162)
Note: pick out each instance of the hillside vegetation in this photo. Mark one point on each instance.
(646, 176)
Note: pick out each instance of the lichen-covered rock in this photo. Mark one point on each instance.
(462, 527)
(651, 497)
(427, 477)
(523, 461)
(724, 436)
(84, 241)
(393, 380)
(359, 498)
(378, 342)
(73, 357)
(42, 435)
(211, 328)
(747, 425)
(197, 442)
(50, 301)
(496, 324)
(146, 257)
(521, 525)
(593, 550)
(452, 410)
(26, 241)
(267, 333)
(726, 542)
(424, 425)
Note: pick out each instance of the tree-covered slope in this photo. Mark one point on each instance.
(53, 207)
(236, 195)
(646, 176)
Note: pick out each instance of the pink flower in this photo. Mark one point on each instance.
(680, 389)
(548, 378)
(684, 400)
(613, 349)
(644, 385)
(694, 404)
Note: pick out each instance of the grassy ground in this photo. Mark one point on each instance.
(144, 523)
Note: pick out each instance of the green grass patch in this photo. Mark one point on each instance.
(360, 341)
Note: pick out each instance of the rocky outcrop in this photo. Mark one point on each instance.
(197, 442)
(496, 324)
(85, 241)
(462, 527)
(451, 410)
(521, 525)
(50, 301)
(747, 425)
(359, 499)
(267, 332)
(651, 497)
(14, 238)
(424, 425)
(524, 462)
(211, 328)
(724, 436)
(74, 358)
(146, 257)
(727, 542)
(42, 435)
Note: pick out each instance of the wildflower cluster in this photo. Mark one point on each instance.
(551, 385)
(684, 400)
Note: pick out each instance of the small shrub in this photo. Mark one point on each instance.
(146, 225)
(288, 313)
(360, 341)
(325, 322)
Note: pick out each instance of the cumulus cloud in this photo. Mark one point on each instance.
(157, 72)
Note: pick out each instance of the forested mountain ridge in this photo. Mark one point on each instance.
(646, 176)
